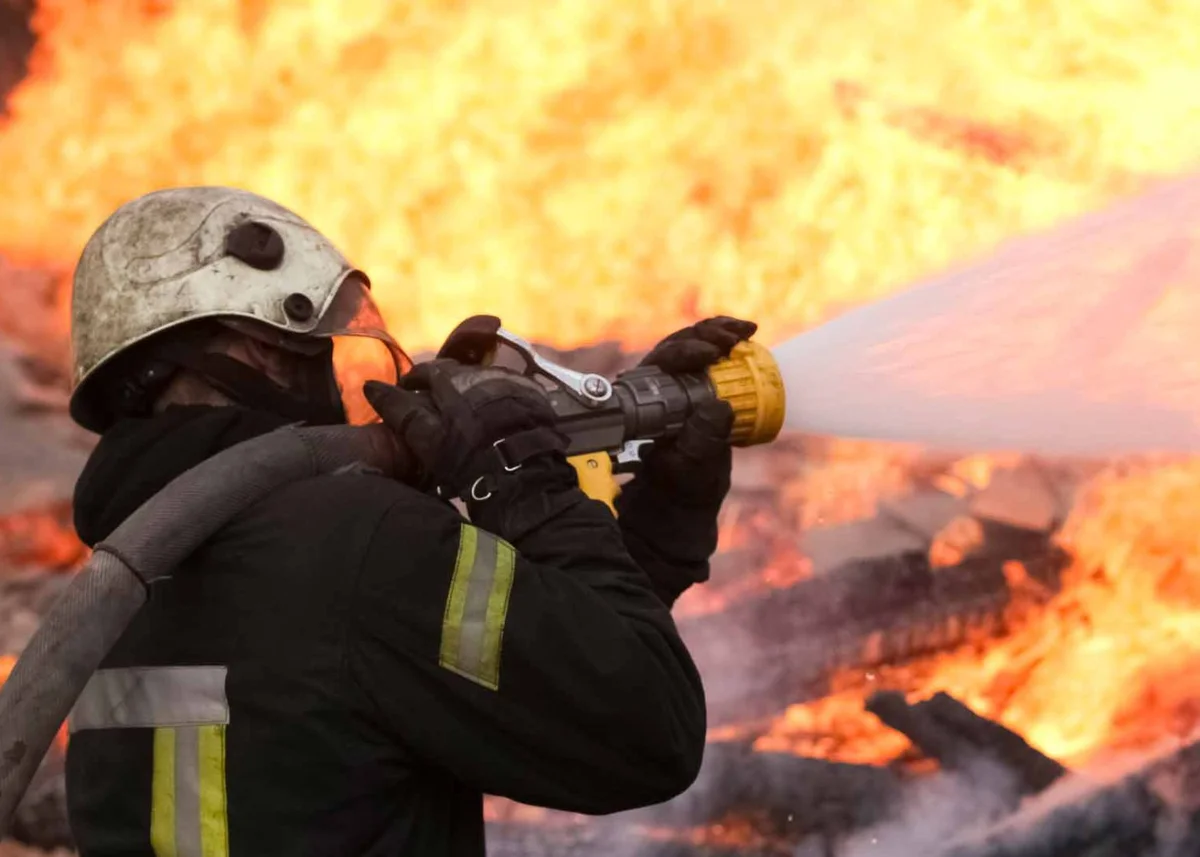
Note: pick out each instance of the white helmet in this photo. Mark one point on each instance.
(176, 256)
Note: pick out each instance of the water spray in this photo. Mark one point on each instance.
(1078, 341)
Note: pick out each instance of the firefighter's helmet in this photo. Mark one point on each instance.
(177, 256)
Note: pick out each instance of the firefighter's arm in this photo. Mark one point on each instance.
(668, 512)
(546, 671)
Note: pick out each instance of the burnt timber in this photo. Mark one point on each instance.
(959, 739)
(783, 645)
(790, 795)
(1153, 811)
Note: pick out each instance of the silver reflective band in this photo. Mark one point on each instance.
(152, 697)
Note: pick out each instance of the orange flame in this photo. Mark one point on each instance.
(593, 170)
(44, 538)
(1109, 665)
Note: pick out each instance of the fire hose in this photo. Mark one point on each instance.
(606, 422)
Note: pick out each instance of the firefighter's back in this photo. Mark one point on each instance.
(226, 721)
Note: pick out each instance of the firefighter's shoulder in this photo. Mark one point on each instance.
(347, 505)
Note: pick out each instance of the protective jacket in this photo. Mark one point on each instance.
(350, 666)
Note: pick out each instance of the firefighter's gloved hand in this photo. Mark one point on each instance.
(472, 341)
(694, 468)
(695, 348)
(467, 426)
(668, 513)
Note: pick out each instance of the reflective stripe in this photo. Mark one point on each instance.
(214, 819)
(477, 606)
(188, 710)
(152, 696)
(162, 795)
(188, 816)
(187, 791)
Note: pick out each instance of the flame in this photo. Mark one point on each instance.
(43, 538)
(608, 170)
(1108, 665)
(605, 170)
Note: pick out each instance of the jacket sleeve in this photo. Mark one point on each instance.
(673, 543)
(545, 670)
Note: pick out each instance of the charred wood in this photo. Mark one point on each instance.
(1151, 812)
(781, 647)
(795, 795)
(958, 738)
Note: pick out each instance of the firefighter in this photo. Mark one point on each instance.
(350, 666)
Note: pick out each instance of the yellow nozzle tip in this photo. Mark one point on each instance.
(749, 379)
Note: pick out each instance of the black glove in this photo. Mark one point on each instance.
(695, 348)
(668, 514)
(467, 426)
(472, 341)
(693, 469)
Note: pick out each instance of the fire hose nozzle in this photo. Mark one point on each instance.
(750, 381)
(614, 419)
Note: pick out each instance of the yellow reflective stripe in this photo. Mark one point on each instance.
(162, 795)
(188, 813)
(214, 820)
(457, 600)
(477, 606)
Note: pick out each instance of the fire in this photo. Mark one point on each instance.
(609, 169)
(44, 538)
(1108, 665)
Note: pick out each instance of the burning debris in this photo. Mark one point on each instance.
(787, 644)
(1152, 810)
(959, 740)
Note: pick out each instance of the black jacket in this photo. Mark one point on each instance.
(350, 666)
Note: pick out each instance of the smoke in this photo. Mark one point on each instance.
(1138, 807)
(934, 810)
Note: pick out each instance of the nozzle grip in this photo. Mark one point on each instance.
(646, 404)
(656, 404)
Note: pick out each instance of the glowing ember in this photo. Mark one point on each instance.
(606, 169)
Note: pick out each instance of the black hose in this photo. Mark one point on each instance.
(98, 606)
